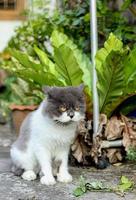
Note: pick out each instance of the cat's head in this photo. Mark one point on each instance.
(65, 104)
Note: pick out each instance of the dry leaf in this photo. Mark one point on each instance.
(114, 155)
(77, 150)
(129, 133)
(81, 128)
(114, 128)
(81, 151)
(89, 133)
(102, 123)
(82, 146)
(103, 119)
(96, 150)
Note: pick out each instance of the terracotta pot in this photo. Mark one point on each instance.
(18, 114)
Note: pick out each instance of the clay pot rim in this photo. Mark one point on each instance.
(23, 107)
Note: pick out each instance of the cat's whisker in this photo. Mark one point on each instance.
(63, 124)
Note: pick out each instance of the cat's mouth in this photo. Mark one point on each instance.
(63, 123)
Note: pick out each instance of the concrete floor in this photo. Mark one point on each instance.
(14, 188)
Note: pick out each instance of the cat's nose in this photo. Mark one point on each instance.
(71, 115)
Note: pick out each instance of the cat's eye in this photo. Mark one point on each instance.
(62, 108)
(77, 108)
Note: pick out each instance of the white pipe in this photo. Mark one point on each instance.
(108, 144)
(94, 46)
(52, 7)
(31, 7)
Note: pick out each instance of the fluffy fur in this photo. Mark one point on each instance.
(46, 135)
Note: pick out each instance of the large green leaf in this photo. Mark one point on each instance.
(130, 72)
(32, 72)
(58, 39)
(112, 44)
(73, 65)
(43, 79)
(129, 85)
(39, 78)
(110, 81)
(26, 60)
(45, 61)
(67, 65)
(116, 68)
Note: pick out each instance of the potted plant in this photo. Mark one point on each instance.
(23, 103)
(17, 100)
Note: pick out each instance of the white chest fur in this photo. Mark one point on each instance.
(50, 135)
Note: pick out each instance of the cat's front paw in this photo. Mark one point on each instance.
(47, 181)
(29, 175)
(65, 177)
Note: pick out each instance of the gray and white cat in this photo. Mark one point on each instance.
(47, 133)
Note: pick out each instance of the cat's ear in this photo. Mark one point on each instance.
(47, 90)
(81, 87)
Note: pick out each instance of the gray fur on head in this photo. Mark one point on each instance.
(68, 96)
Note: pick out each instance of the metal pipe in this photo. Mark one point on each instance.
(94, 46)
(52, 7)
(108, 144)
